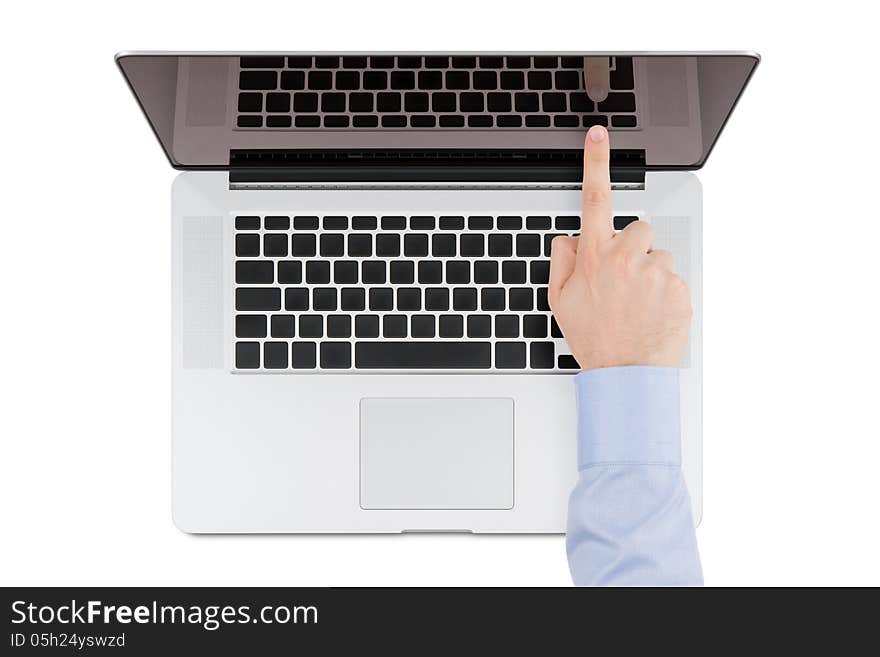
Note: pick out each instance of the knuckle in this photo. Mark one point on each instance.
(596, 197)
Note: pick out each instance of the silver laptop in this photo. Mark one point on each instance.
(362, 340)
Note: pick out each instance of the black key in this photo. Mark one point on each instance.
(521, 298)
(354, 61)
(275, 355)
(472, 246)
(443, 246)
(451, 121)
(500, 245)
(528, 245)
(366, 326)
(538, 223)
(247, 223)
(510, 355)
(555, 331)
(622, 75)
(422, 121)
(324, 298)
(464, 298)
(360, 102)
(430, 271)
(345, 272)
(335, 355)
(580, 102)
(513, 272)
(373, 80)
(275, 246)
(320, 80)
(548, 243)
(623, 121)
(388, 101)
(250, 326)
(318, 271)
(423, 355)
(382, 62)
(402, 80)
(451, 326)
(254, 80)
(308, 122)
(479, 326)
(537, 121)
(553, 102)
(542, 355)
(360, 246)
(568, 80)
(283, 326)
(491, 62)
(621, 222)
(512, 80)
(305, 102)
(484, 80)
(571, 62)
(535, 326)
(293, 80)
(485, 271)
(254, 272)
(409, 62)
(278, 102)
(450, 223)
(364, 223)
(540, 80)
(421, 223)
(381, 298)
(290, 271)
(394, 121)
(436, 62)
(365, 121)
(348, 80)
(422, 326)
(415, 101)
(393, 223)
(373, 272)
(302, 355)
(247, 246)
(402, 271)
(352, 298)
(429, 80)
(394, 326)
(464, 62)
(333, 102)
(326, 61)
(498, 102)
(546, 62)
(479, 121)
(436, 298)
(509, 121)
(539, 271)
(568, 362)
(618, 102)
(415, 245)
(387, 245)
(443, 102)
(519, 61)
(458, 80)
(249, 121)
(590, 121)
(564, 121)
(510, 223)
(458, 271)
(506, 326)
(247, 355)
(277, 223)
(492, 298)
(303, 245)
(471, 101)
(526, 101)
(541, 299)
(296, 298)
(305, 223)
(570, 223)
(339, 326)
(257, 298)
(262, 61)
(250, 102)
(409, 298)
(311, 326)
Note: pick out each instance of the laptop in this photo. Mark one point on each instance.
(361, 335)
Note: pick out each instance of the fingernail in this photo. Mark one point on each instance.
(598, 133)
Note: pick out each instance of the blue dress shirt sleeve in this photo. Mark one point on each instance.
(629, 516)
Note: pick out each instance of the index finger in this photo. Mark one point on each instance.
(596, 223)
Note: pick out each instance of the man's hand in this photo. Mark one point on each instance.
(616, 299)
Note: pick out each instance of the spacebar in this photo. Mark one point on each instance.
(423, 355)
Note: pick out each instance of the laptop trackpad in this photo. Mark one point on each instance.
(436, 453)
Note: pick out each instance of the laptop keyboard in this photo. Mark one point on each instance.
(429, 92)
(395, 293)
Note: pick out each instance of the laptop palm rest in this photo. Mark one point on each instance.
(432, 453)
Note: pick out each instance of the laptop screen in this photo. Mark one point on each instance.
(230, 110)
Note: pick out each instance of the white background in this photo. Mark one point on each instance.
(792, 232)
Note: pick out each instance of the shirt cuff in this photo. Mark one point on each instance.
(628, 415)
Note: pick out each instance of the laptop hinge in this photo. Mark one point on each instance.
(425, 169)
